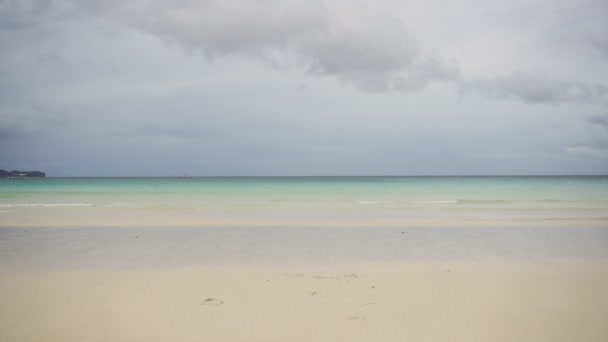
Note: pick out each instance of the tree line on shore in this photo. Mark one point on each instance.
(21, 174)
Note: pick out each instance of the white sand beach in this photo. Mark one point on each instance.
(416, 301)
(303, 284)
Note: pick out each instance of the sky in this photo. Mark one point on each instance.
(304, 87)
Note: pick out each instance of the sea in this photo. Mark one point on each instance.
(51, 223)
(528, 201)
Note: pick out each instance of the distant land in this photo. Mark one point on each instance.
(21, 174)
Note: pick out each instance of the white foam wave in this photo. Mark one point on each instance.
(15, 205)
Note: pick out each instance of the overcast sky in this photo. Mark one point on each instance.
(304, 87)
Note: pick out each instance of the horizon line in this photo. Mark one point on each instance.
(336, 176)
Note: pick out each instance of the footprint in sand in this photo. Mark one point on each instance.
(212, 302)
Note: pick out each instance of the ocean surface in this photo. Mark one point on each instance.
(54, 223)
(535, 201)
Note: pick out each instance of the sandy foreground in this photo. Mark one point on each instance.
(414, 301)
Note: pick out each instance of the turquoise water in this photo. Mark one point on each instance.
(340, 201)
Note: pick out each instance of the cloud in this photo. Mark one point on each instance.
(374, 52)
(370, 50)
(152, 82)
(596, 145)
(18, 123)
(589, 151)
(534, 87)
(232, 26)
(570, 28)
(20, 14)
(601, 121)
(25, 14)
(584, 24)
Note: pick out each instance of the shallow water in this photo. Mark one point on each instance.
(306, 201)
(134, 247)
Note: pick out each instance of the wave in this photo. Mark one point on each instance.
(14, 205)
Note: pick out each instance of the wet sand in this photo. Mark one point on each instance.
(133, 284)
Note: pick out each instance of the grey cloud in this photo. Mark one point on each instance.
(578, 25)
(19, 14)
(600, 43)
(377, 56)
(601, 121)
(169, 133)
(596, 145)
(538, 88)
(16, 14)
(17, 123)
(430, 70)
(371, 51)
(232, 26)
(596, 148)
(584, 24)
(378, 45)
(118, 95)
